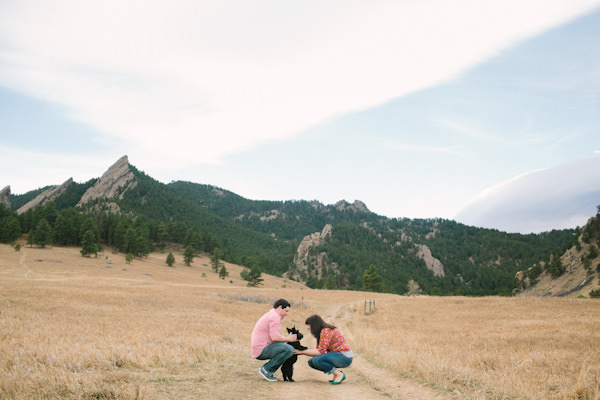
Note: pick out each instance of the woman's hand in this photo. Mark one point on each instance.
(307, 352)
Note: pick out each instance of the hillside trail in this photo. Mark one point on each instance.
(364, 381)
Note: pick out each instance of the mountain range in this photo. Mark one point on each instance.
(325, 246)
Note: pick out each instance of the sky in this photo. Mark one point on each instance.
(477, 111)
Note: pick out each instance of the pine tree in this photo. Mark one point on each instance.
(223, 272)
(188, 255)
(170, 259)
(89, 245)
(253, 276)
(372, 281)
(215, 260)
(42, 233)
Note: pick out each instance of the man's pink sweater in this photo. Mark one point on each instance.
(267, 326)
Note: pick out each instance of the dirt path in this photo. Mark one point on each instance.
(364, 381)
(23, 264)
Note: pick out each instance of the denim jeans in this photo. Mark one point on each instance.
(277, 353)
(328, 362)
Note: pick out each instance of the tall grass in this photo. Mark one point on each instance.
(129, 332)
(488, 348)
(77, 330)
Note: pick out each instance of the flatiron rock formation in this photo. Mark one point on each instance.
(115, 181)
(5, 196)
(46, 196)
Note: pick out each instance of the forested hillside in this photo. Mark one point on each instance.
(151, 216)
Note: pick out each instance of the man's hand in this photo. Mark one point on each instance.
(292, 337)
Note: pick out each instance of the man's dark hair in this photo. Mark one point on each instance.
(282, 302)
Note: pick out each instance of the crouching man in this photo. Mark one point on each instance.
(267, 342)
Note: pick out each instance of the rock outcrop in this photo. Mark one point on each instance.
(577, 279)
(46, 196)
(432, 263)
(305, 257)
(357, 206)
(115, 181)
(5, 196)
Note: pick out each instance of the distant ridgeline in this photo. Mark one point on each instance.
(341, 246)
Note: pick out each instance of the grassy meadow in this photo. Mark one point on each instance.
(86, 328)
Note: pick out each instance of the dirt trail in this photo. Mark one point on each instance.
(364, 381)
(23, 264)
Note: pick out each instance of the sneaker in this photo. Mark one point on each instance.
(267, 375)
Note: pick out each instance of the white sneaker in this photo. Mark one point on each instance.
(266, 375)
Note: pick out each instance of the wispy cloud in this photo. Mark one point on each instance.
(470, 130)
(169, 79)
(419, 148)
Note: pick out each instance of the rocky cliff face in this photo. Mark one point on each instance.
(304, 258)
(116, 180)
(357, 206)
(307, 262)
(577, 280)
(46, 196)
(5, 196)
(432, 263)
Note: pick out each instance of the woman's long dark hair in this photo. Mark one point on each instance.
(316, 326)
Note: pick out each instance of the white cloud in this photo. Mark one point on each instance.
(555, 198)
(171, 79)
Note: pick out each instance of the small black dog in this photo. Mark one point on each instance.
(287, 369)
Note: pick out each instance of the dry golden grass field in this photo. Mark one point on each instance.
(86, 328)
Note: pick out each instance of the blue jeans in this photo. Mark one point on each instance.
(328, 362)
(277, 353)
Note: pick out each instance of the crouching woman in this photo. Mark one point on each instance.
(332, 352)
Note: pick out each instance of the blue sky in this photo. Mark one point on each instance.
(419, 109)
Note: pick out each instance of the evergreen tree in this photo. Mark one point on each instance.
(170, 259)
(142, 249)
(193, 238)
(89, 244)
(43, 233)
(223, 272)
(372, 281)
(30, 238)
(129, 241)
(162, 236)
(215, 260)
(330, 282)
(253, 276)
(89, 225)
(188, 255)
(10, 229)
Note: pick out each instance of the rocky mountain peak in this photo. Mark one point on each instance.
(303, 256)
(46, 196)
(5, 196)
(116, 180)
(357, 206)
